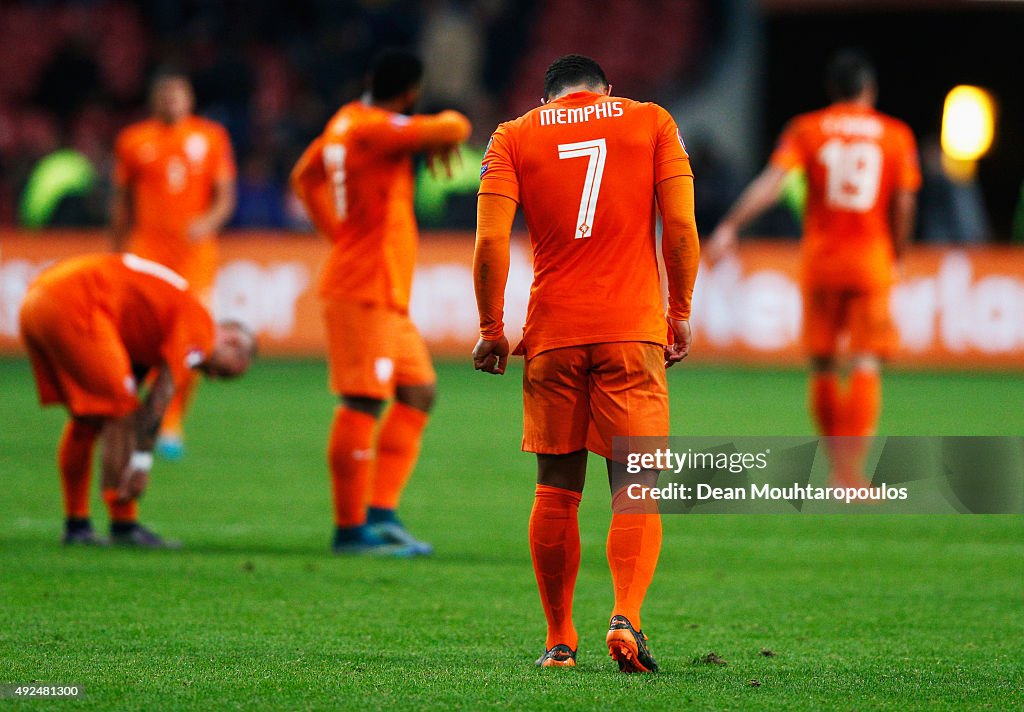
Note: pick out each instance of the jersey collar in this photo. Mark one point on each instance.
(576, 96)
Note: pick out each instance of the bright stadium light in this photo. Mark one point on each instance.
(968, 123)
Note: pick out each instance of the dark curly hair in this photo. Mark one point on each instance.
(848, 74)
(570, 70)
(393, 72)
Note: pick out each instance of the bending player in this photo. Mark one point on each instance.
(587, 169)
(356, 182)
(90, 325)
(862, 181)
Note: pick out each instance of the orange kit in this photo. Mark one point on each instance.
(356, 181)
(171, 171)
(88, 321)
(584, 169)
(855, 159)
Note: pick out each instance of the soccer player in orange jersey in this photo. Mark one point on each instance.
(357, 184)
(90, 325)
(174, 177)
(862, 181)
(588, 169)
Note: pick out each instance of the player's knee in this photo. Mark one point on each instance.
(823, 364)
(620, 477)
(419, 397)
(88, 422)
(361, 404)
(563, 471)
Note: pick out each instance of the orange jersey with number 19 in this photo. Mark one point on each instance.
(856, 159)
(584, 169)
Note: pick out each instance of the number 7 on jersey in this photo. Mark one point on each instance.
(595, 152)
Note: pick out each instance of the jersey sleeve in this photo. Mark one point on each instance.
(908, 175)
(670, 157)
(309, 182)
(124, 160)
(787, 154)
(224, 157)
(189, 343)
(423, 132)
(497, 170)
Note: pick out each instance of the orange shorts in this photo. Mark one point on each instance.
(372, 348)
(831, 313)
(582, 396)
(77, 357)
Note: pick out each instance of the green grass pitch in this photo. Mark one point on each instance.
(862, 612)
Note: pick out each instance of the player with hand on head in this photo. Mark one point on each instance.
(93, 326)
(588, 169)
(356, 182)
(174, 178)
(862, 181)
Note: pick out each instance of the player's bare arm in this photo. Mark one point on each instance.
(759, 196)
(141, 436)
(148, 417)
(121, 216)
(225, 198)
(495, 214)
(680, 246)
(117, 439)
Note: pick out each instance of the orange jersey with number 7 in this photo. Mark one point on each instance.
(356, 182)
(584, 169)
(856, 159)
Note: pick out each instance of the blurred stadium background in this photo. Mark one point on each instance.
(731, 71)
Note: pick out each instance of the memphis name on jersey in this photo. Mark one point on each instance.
(579, 114)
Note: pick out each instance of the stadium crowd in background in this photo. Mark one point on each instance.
(272, 72)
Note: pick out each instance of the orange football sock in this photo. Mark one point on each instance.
(398, 447)
(634, 542)
(350, 459)
(75, 457)
(555, 548)
(825, 405)
(121, 512)
(859, 420)
(864, 402)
